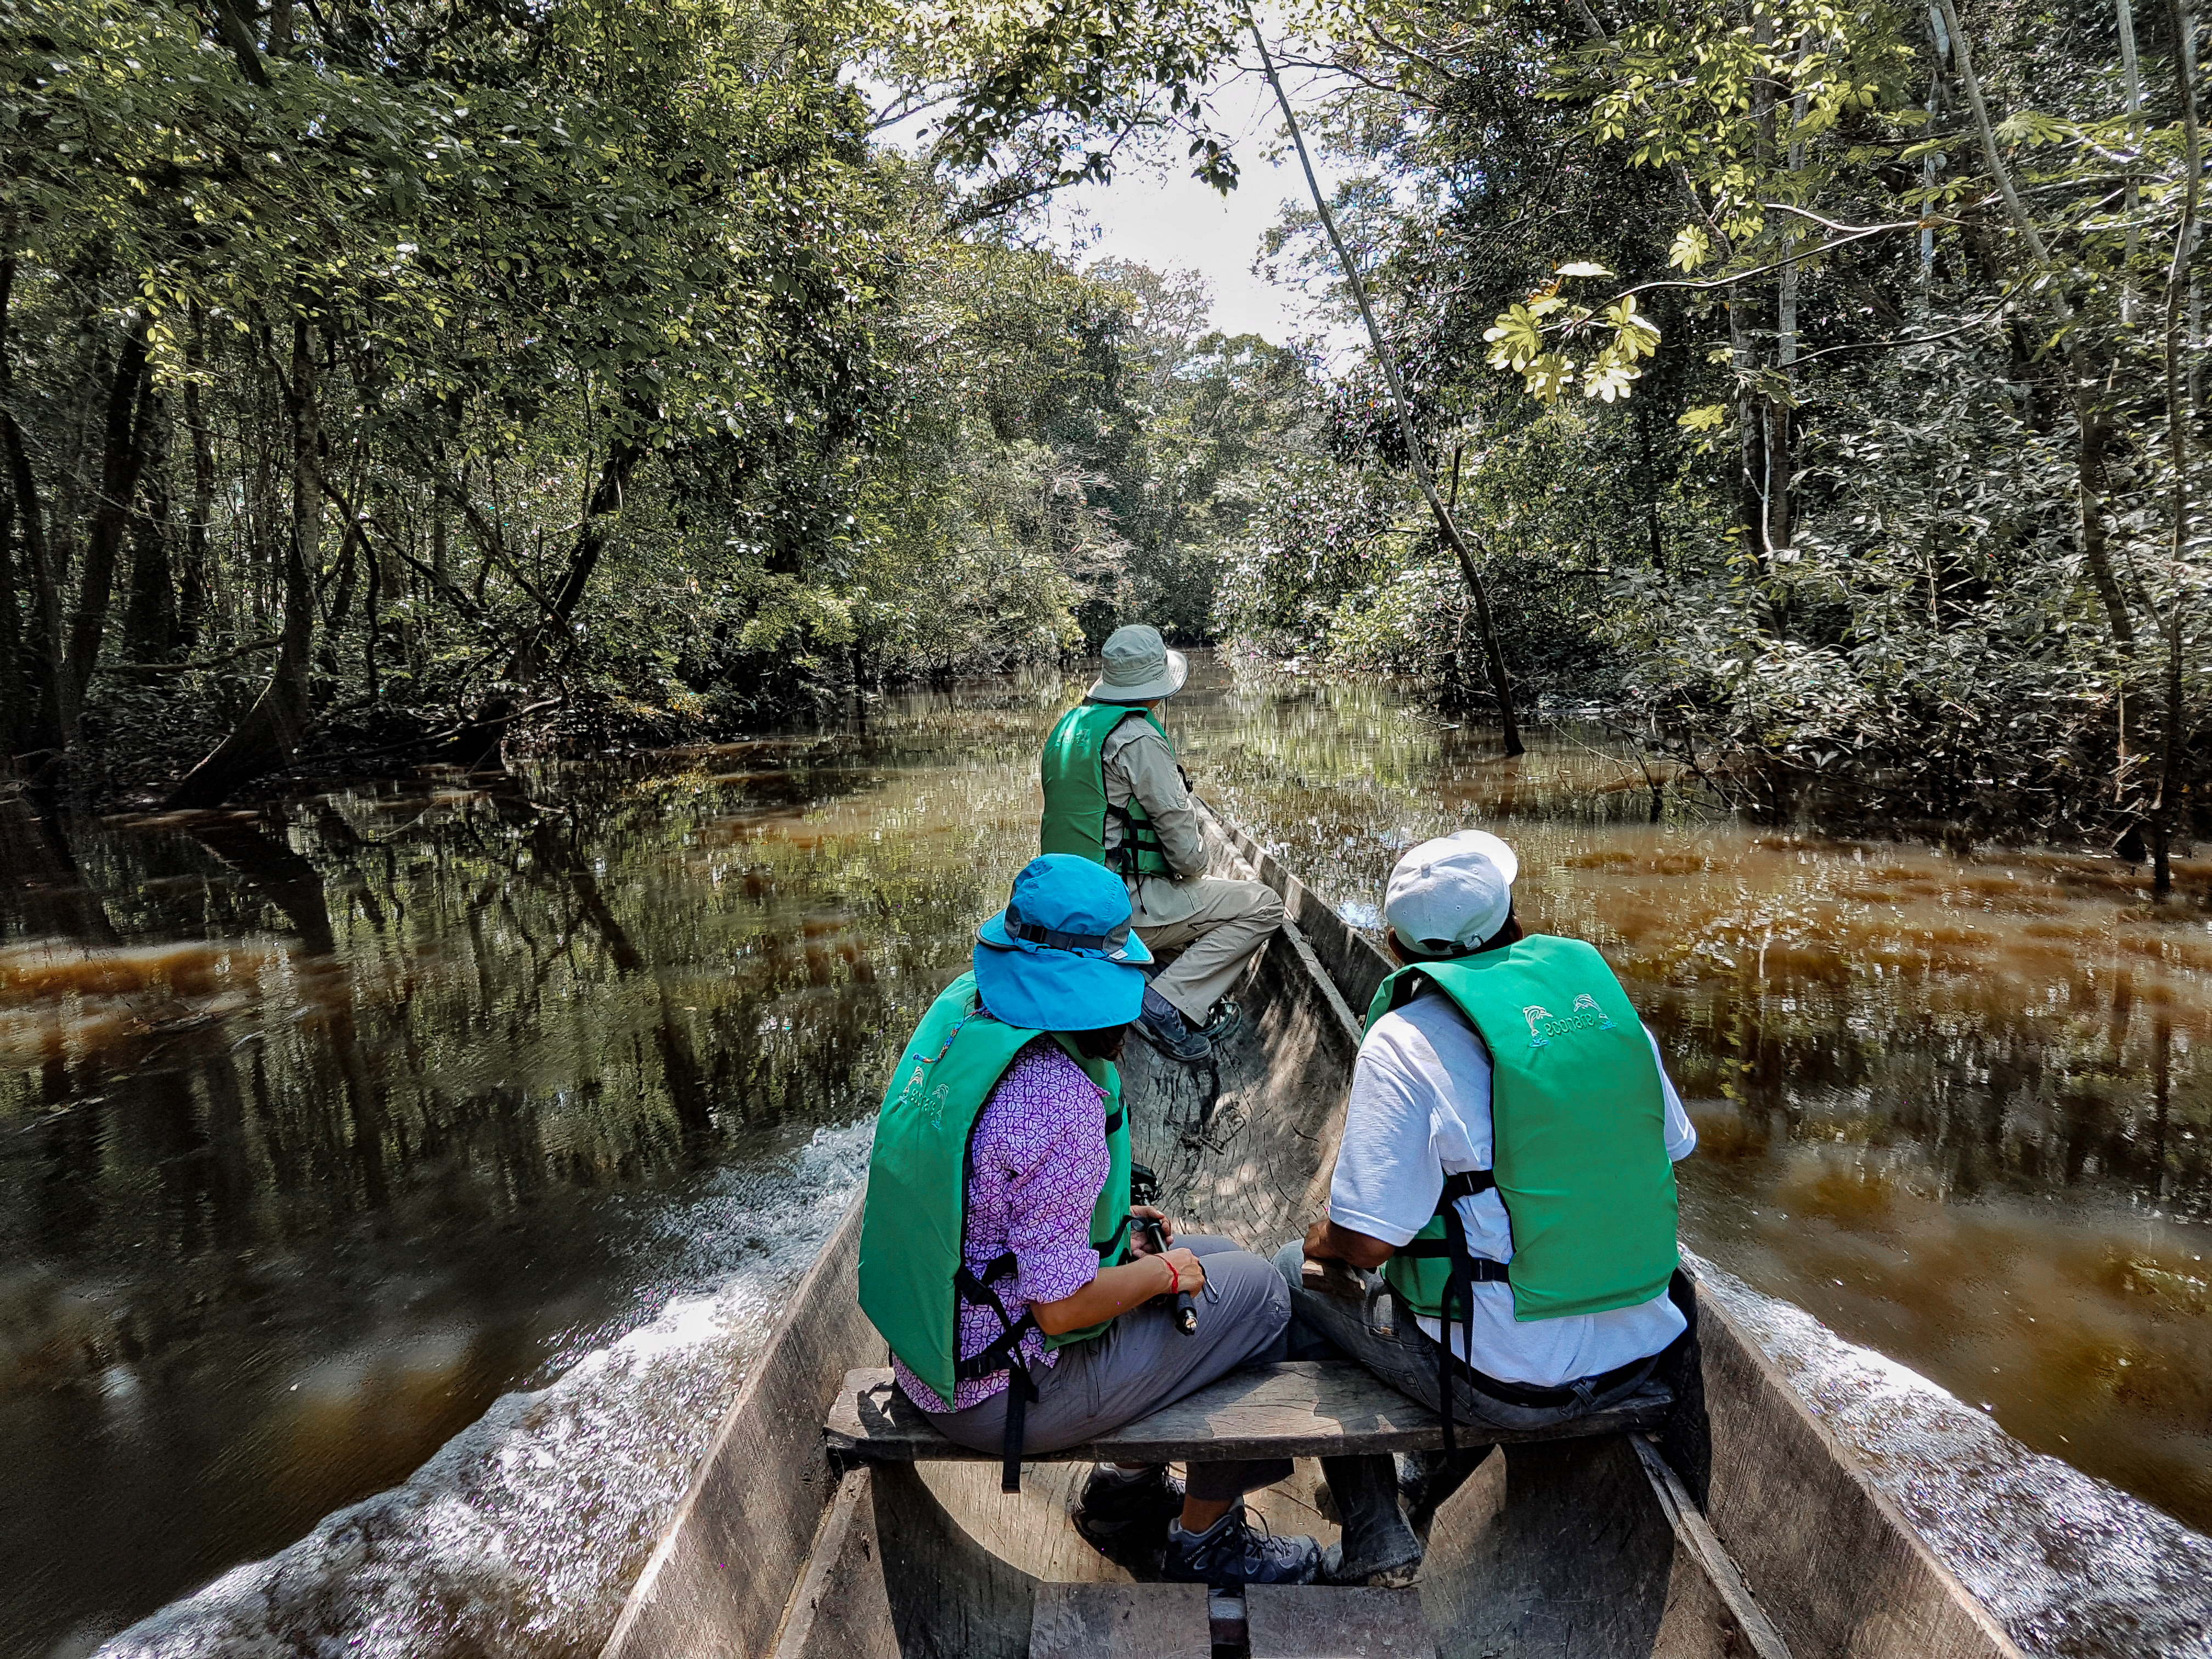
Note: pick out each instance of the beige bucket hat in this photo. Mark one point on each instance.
(1140, 667)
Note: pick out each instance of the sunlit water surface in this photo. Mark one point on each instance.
(394, 1187)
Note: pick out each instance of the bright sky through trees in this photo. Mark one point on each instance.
(1166, 219)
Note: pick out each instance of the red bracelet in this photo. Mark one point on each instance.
(1175, 1277)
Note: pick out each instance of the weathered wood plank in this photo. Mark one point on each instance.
(717, 1583)
(841, 1610)
(1304, 1408)
(1120, 1621)
(1694, 1533)
(1319, 1621)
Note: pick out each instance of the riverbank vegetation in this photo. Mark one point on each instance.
(398, 380)
(1899, 520)
(1820, 389)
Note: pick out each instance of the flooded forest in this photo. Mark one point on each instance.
(538, 545)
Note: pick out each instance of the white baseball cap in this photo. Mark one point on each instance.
(1448, 895)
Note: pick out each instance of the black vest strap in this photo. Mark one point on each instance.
(1464, 1272)
(1480, 1269)
(1004, 1353)
(1120, 1116)
(1020, 1390)
(1139, 840)
(1113, 1245)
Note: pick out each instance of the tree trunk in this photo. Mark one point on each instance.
(270, 735)
(30, 721)
(16, 694)
(2082, 386)
(2171, 737)
(373, 602)
(1932, 163)
(621, 464)
(475, 745)
(149, 618)
(1501, 683)
(1750, 436)
(123, 440)
(198, 576)
(2132, 76)
(2090, 454)
(1781, 410)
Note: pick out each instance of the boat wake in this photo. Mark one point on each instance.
(2072, 1566)
(520, 1537)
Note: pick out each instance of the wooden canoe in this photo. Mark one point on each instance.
(1587, 1548)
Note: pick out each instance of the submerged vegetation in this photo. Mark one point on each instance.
(1821, 388)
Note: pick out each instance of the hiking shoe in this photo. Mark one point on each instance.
(1227, 1018)
(1335, 1570)
(1232, 1552)
(1161, 1025)
(1125, 1517)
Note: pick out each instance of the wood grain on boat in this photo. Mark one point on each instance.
(1120, 1621)
(1767, 1540)
(1302, 1409)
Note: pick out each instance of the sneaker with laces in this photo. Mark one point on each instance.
(1161, 1025)
(1126, 1518)
(1232, 1552)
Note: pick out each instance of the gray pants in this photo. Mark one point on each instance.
(1367, 1488)
(1337, 1327)
(1143, 1363)
(1231, 921)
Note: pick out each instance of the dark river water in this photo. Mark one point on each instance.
(394, 1184)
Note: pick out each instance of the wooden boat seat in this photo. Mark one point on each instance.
(1300, 1408)
(1121, 1621)
(1273, 1621)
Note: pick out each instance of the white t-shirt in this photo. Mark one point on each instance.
(1420, 1110)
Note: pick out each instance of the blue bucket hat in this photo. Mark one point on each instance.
(1060, 956)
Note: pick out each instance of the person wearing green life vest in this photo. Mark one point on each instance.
(1500, 1236)
(1114, 792)
(998, 1258)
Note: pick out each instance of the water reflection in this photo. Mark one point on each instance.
(326, 1126)
(323, 1126)
(1954, 1107)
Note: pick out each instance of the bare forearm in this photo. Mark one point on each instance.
(1115, 1290)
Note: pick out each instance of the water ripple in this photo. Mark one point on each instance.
(2072, 1566)
(519, 1539)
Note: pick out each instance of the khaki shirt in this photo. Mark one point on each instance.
(1138, 763)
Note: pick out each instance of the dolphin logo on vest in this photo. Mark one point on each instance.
(1585, 1015)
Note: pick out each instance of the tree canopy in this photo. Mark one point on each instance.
(1819, 389)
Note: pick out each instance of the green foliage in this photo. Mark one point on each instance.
(1893, 522)
(588, 362)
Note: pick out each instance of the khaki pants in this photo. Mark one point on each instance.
(1231, 919)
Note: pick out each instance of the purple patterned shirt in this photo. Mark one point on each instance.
(1040, 1163)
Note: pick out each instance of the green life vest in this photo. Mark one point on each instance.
(1075, 805)
(1578, 1133)
(913, 1275)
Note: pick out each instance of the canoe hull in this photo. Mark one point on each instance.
(1571, 1549)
